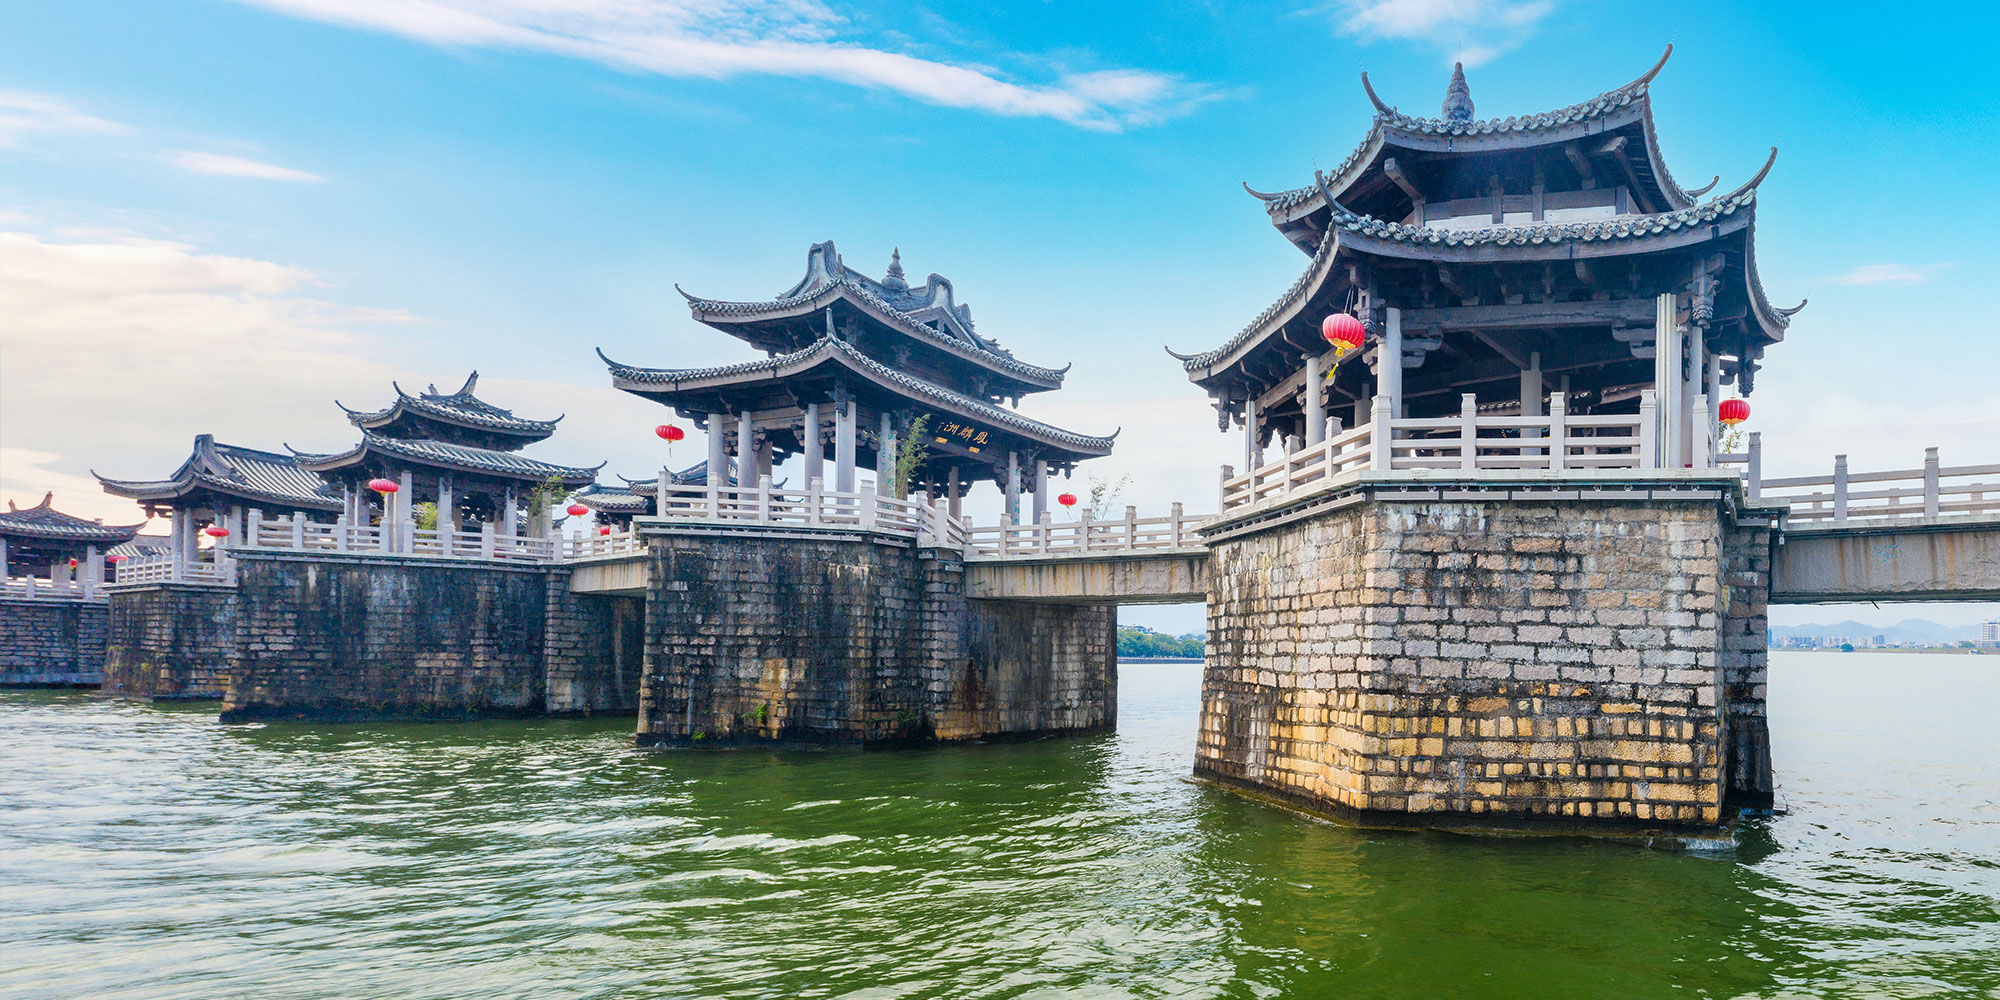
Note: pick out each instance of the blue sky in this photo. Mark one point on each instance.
(220, 216)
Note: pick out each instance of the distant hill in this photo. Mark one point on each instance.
(1908, 630)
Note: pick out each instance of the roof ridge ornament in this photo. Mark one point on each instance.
(1751, 184)
(1380, 107)
(1706, 188)
(1651, 73)
(1457, 96)
(895, 278)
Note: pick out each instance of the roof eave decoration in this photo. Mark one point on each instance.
(1392, 125)
(460, 458)
(825, 282)
(1273, 316)
(460, 409)
(647, 381)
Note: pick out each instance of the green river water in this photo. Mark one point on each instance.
(147, 852)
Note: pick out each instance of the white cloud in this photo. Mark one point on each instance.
(22, 112)
(723, 38)
(1468, 31)
(1888, 274)
(235, 166)
(114, 354)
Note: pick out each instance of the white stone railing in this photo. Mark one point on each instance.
(619, 542)
(815, 507)
(1087, 536)
(299, 533)
(37, 589)
(1557, 441)
(164, 568)
(1843, 496)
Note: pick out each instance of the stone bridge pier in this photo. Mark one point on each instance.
(855, 638)
(1493, 656)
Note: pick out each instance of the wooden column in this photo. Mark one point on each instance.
(1041, 489)
(1531, 398)
(1315, 399)
(718, 451)
(1250, 450)
(509, 518)
(815, 451)
(745, 447)
(1012, 489)
(1694, 370)
(953, 493)
(1389, 362)
(843, 447)
(763, 453)
(1667, 381)
(885, 457)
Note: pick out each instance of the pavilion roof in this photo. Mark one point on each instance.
(43, 521)
(1454, 133)
(232, 470)
(449, 457)
(1616, 235)
(635, 496)
(828, 350)
(929, 314)
(461, 408)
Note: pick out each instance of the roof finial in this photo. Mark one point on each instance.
(1458, 96)
(895, 278)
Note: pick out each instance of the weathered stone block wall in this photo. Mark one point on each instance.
(595, 650)
(1482, 663)
(1745, 658)
(854, 641)
(170, 641)
(1035, 668)
(333, 638)
(51, 642)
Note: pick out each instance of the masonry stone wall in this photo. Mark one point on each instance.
(594, 650)
(170, 641)
(1480, 663)
(49, 642)
(855, 640)
(1745, 659)
(330, 638)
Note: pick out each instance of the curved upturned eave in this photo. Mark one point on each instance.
(1551, 241)
(1206, 365)
(324, 463)
(656, 381)
(182, 485)
(723, 314)
(517, 426)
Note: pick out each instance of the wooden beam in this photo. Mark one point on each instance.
(1615, 148)
(1512, 353)
(1582, 165)
(1394, 171)
(1531, 315)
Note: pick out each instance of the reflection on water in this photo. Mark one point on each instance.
(146, 852)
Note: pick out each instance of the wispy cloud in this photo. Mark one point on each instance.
(224, 165)
(722, 38)
(22, 112)
(1889, 274)
(1468, 31)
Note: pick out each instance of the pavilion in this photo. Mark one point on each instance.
(219, 484)
(1507, 259)
(856, 363)
(43, 543)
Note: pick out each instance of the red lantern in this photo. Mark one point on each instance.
(605, 530)
(1067, 499)
(117, 557)
(577, 510)
(1733, 412)
(72, 564)
(1344, 332)
(383, 486)
(215, 531)
(670, 432)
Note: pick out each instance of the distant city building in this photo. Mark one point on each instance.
(1989, 634)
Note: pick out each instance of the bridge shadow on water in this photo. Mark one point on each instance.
(551, 859)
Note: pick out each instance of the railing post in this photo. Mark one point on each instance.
(1174, 527)
(1222, 491)
(1649, 429)
(298, 529)
(1132, 517)
(252, 527)
(1754, 473)
(1382, 435)
(1840, 487)
(1083, 529)
(1931, 499)
(1559, 431)
(486, 540)
(867, 510)
(812, 501)
(1468, 431)
(763, 498)
(1703, 450)
(1044, 532)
